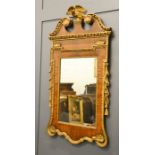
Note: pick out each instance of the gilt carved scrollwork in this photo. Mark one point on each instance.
(51, 85)
(106, 90)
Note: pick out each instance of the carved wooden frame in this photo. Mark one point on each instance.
(80, 43)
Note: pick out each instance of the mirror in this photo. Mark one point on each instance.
(77, 98)
(78, 81)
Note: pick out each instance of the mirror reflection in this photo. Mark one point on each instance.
(77, 102)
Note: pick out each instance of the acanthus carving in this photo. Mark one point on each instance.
(106, 90)
(99, 139)
(51, 88)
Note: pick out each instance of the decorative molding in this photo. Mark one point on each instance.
(99, 139)
(106, 90)
(101, 23)
(57, 46)
(106, 30)
(80, 36)
(100, 44)
(97, 45)
(51, 87)
(58, 27)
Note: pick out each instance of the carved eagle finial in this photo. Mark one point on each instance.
(77, 11)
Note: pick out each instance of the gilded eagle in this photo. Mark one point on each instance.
(77, 11)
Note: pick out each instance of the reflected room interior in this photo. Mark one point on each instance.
(77, 100)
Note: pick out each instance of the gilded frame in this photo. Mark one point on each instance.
(99, 44)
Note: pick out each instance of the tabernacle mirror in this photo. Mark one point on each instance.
(78, 92)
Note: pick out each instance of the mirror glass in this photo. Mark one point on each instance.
(77, 99)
